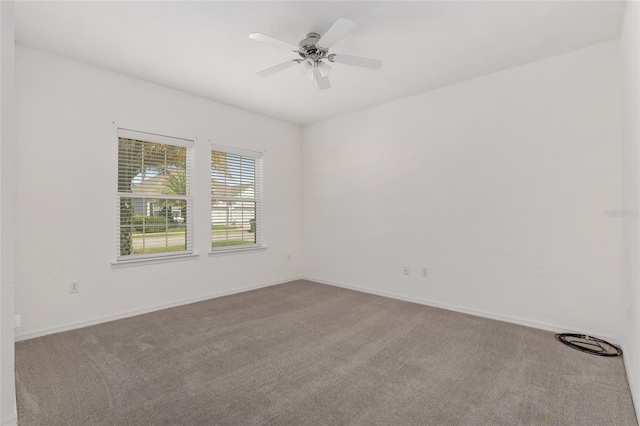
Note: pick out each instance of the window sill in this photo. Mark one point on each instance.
(236, 250)
(153, 260)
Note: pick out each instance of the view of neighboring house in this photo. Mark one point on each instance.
(152, 206)
(230, 204)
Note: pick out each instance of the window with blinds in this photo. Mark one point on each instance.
(154, 195)
(236, 198)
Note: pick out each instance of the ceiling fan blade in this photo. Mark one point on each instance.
(356, 61)
(273, 41)
(275, 69)
(323, 82)
(339, 29)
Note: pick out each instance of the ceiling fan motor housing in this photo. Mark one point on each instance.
(308, 48)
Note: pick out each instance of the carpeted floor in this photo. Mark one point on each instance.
(306, 353)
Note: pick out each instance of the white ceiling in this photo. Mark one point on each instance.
(203, 48)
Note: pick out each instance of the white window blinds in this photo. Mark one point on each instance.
(154, 195)
(236, 198)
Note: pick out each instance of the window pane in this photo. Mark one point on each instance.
(234, 201)
(151, 168)
(232, 176)
(154, 181)
(233, 223)
(152, 225)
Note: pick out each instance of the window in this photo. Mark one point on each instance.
(154, 195)
(236, 199)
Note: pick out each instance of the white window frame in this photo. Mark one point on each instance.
(163, 256)
(258, 191)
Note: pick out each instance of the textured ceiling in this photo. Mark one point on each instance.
(203, 47)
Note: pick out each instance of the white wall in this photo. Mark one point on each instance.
(498, 185)
(630, 43)
(7, 236)
(66, 194)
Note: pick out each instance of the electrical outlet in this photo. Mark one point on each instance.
(288, 258)
(425, 272)
(17, 321)
(405, 269)
(74, 286)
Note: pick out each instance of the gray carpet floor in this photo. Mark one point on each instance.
(306, 353)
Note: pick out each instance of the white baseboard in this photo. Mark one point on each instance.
(127, 314)
(635, 397)
(10, 421)
(557, 328)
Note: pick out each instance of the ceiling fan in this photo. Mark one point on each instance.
(313, 51)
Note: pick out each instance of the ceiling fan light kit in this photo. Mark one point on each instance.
(314, 50)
